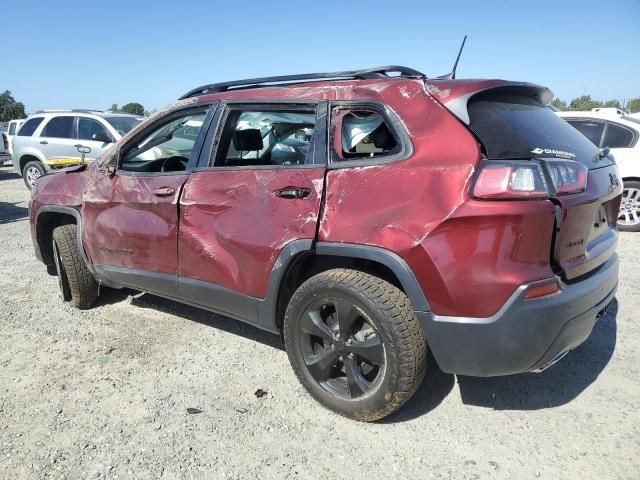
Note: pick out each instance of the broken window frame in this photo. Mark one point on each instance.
(402, 151)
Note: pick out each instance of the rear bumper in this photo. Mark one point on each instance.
(524, 335)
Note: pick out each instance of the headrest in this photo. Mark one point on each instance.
(247, 140)
(382, 138)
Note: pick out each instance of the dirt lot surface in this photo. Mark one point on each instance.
(105, 394)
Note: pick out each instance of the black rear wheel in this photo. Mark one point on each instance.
(355, 343)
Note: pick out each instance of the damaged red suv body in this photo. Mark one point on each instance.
(363, 216)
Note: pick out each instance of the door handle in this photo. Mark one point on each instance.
(44, 142)
(291, 193)
(164, 191)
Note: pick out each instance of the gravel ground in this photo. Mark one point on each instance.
(104, 394)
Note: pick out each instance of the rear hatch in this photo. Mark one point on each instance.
(513, 124)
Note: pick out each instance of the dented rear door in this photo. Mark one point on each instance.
(235, 220)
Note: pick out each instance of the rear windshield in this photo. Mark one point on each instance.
(518, 127)
(123, 124)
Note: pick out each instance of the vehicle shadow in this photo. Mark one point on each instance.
(220, 322)
(435, 387)
(7, 173)
(556, 386)
(11, 212)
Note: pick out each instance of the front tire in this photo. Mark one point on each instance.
(77, 285)
(355, 343)
(31, 172)
(629, 215)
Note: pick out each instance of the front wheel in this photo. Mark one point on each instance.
(355, 343)
(76, 283)
(31, 172)
(629, 215)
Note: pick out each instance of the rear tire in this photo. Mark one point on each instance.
(355, 343)
(31, 172)
(77, 285)
(629, 215)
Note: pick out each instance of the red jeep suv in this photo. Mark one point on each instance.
(365, 216)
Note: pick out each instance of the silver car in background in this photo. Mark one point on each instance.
(50, 139)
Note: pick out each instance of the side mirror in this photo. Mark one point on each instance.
(109, 167)
(101, 137)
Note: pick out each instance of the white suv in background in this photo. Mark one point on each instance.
(50, 139)
(12, 129)
(4, 147)
(621, 133)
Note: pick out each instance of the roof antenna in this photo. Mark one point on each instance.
(452, 75)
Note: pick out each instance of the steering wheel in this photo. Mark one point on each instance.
(174, 164)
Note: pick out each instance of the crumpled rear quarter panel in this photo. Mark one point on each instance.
(468, 256)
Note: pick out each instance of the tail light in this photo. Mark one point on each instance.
(522, 179)
(567, 176)
(510, 180)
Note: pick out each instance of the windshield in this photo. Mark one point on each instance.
(124, 124)
(518, 127)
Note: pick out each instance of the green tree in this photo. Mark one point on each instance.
(114, 107)
(559, 104)
(133, 108)
(634, 105)
(612, 104)
(585, 102)
(9, 108)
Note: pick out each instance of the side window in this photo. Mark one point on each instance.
(167, 147)
(269, 137)
(90, 129)
(617, 137)
(59, 127)
(29, 127)
(362, 134)
(12, 128)
(590, 129)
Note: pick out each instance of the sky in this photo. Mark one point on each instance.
(91, 54)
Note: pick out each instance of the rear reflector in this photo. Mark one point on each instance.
(542, 290)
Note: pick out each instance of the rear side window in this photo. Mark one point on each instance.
(513, 126)
(589, 128)
(59, 127)
(361, 134)
(90, 129)
(617, 137)
(29, 127)
(266, 138)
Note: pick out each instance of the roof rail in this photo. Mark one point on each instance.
(365, 74)
(74, 110)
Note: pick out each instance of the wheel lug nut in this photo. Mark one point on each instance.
(351, 355)
(349, 341)
(340, 358)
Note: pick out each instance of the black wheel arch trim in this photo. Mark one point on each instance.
(65, 211)
(391, 260)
